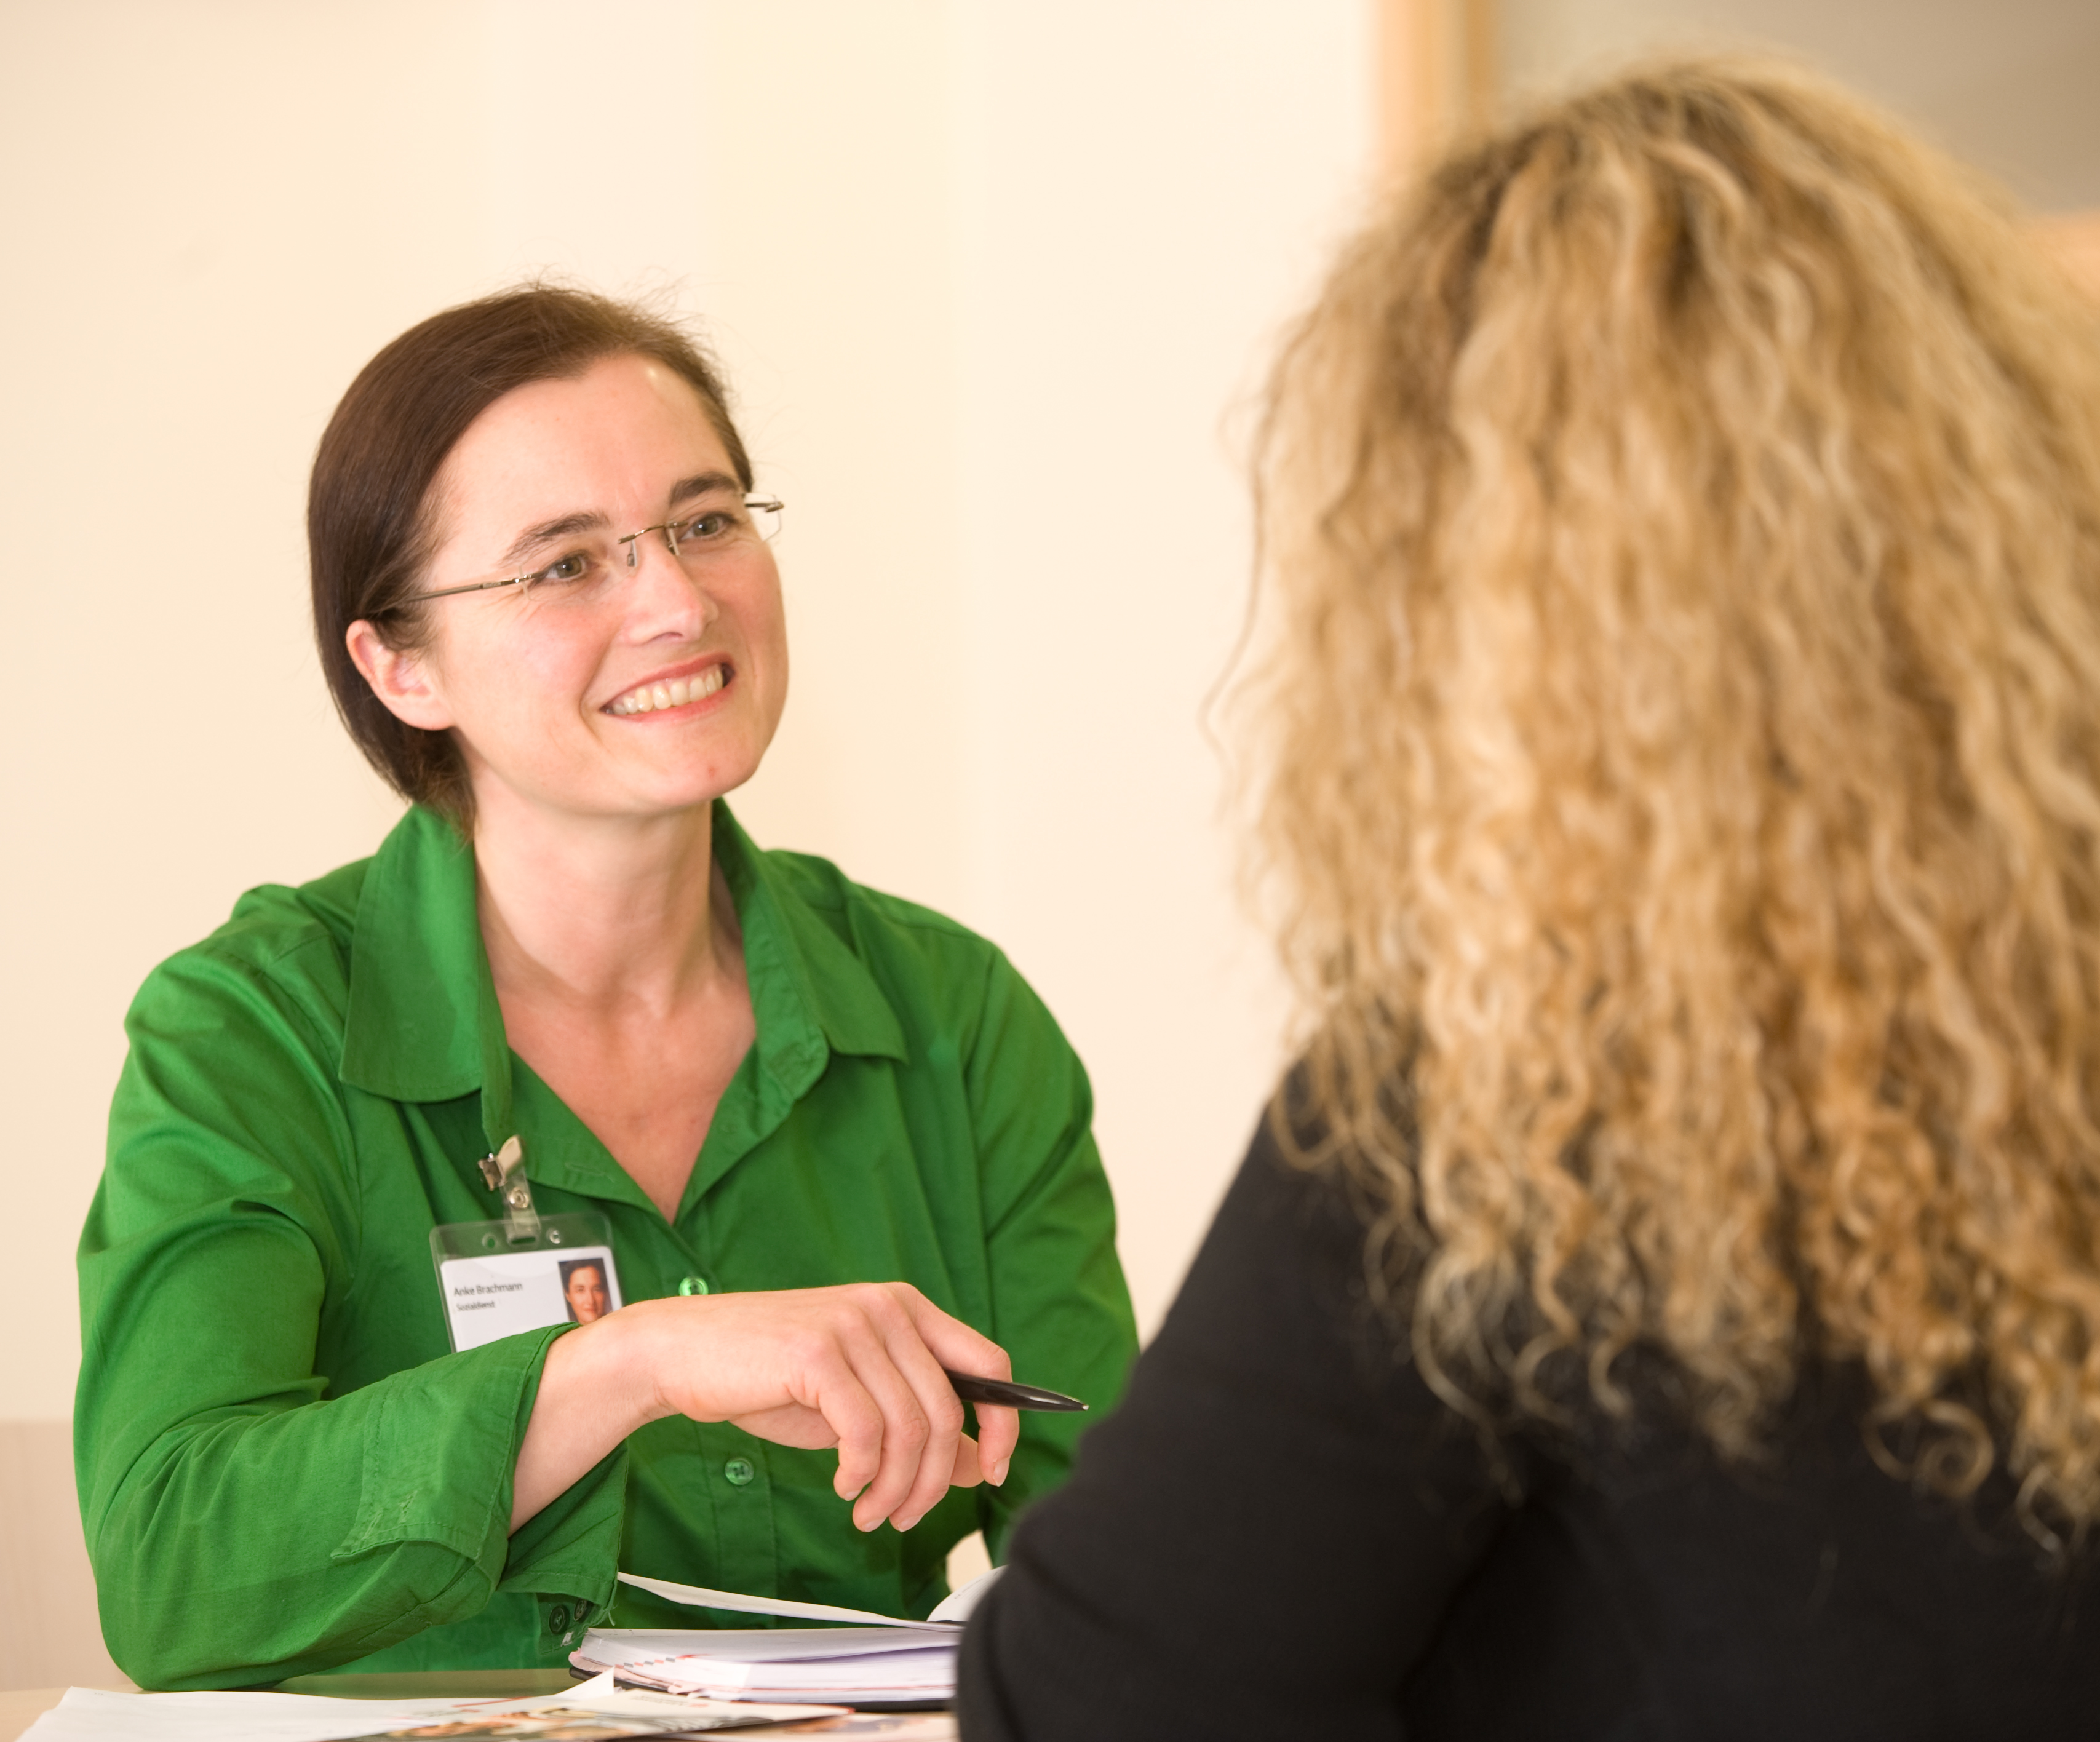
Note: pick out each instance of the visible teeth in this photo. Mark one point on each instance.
(674, 693)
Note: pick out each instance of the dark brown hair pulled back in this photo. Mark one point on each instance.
(370, 524)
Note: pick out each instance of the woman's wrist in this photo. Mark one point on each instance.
(595, 1389)
(606, 1369)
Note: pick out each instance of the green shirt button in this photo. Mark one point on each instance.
(694, 1286)
(739, 1472)
(557, 1618)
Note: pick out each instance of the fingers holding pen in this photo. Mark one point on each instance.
(924, 1345)
(923, 1450)
(929, 1468)
(999, 1432)
(956, 1347)
(858, 1366)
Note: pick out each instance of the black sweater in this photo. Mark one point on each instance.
(1282, 1532)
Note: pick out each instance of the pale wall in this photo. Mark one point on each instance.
(989, 277)
(2008, 85)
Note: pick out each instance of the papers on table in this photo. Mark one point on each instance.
(88, 1712)
(952, 1611)
(850, 1665)
(869, 1659)
(594, 1709)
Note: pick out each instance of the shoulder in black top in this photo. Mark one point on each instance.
(1283, 1532)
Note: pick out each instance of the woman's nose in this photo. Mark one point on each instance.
(662, 592)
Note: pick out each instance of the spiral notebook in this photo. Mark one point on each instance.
(861, 1659)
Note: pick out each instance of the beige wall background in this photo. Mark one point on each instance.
(2009, 86)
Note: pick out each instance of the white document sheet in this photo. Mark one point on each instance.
(88, 1714)
(928, 1672)
(952, 1611)
(91, 1715)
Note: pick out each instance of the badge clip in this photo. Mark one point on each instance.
(505, 1172)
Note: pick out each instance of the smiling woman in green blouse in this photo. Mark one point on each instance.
(838, 1142)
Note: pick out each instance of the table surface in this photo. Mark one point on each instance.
(21, 1709)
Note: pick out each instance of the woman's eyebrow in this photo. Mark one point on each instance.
(705, 483)
(533, 537)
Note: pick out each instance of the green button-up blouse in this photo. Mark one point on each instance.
(282, 1466)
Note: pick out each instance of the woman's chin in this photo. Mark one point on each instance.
(634, 788)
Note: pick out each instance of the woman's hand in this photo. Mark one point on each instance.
(858, 1367)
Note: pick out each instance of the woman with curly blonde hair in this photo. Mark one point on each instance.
(1680, 737)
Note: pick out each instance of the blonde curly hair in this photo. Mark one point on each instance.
(1680, 784)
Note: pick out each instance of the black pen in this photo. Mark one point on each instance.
(971, 1389)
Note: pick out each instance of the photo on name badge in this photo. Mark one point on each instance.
(584, 1289)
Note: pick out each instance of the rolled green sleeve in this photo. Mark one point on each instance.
(247, 1523)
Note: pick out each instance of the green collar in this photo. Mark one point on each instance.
(423, 1024)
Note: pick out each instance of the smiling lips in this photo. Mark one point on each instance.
(650, 698)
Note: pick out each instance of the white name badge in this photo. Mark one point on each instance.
(495, 1287)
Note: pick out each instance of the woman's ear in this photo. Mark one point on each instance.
(400, 676)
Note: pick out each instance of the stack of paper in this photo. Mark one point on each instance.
(865, 1659)
(836, 1665)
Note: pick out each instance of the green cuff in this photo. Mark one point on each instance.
(567, 1554)
(440, 1454)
